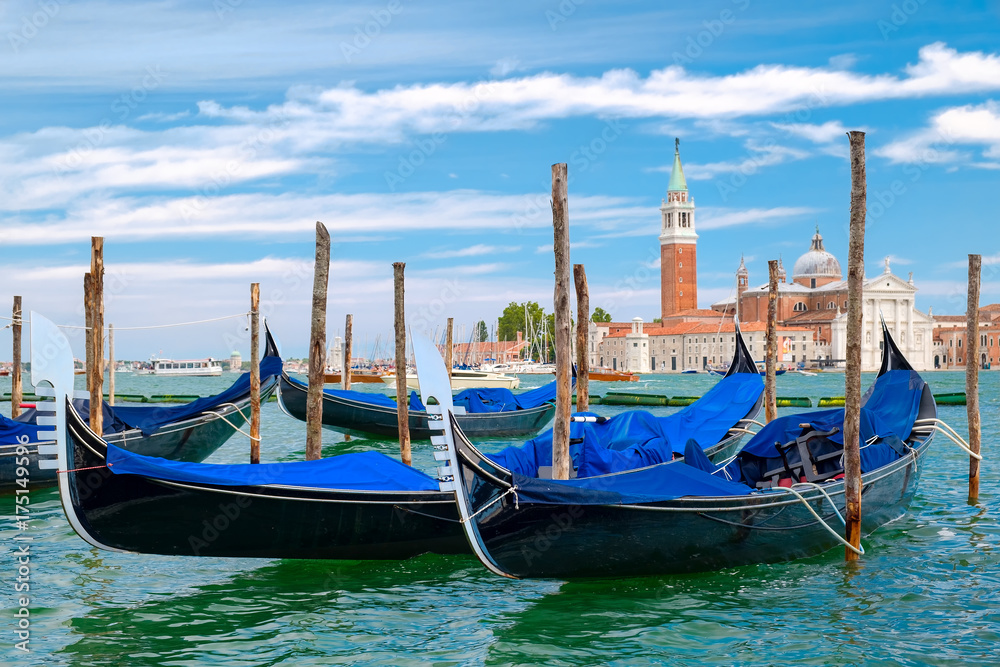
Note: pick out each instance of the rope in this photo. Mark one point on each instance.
(235, 427)
(152, 326)
(107, 465)
(512, 489)
(859, 549)
(432, 516)
(951, 434)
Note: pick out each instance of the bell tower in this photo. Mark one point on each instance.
(678, 245)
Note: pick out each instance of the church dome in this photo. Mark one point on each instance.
(817, 263)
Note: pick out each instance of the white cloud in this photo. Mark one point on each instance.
(472, 251)
(949, 130)
(758, 155)
(717, 218)
(818, 134)
(259, 215)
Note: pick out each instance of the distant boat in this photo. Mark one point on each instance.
(609, 375)
(359, 377)
(189, 367)
(689, 370)
(464, 380)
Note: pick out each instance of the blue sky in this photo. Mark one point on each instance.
(204, 139)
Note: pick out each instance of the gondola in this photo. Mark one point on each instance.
(489, 412)
(773, 502)
(353, 506)
(190, 432)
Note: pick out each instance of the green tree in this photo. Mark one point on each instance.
(600, 316)
(527, 317)
(481, 333)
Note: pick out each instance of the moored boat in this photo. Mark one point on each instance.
(773, 502)
(489, 412)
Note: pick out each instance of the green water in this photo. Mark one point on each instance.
(927, 592)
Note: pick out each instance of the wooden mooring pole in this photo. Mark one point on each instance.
(88, 332)
(254, 372)
(972, 373)
(402, 404)
(449, 345)
(852, 374)
(16, 387)
(564, 357)
(771, 349)
(97, 333)
(111, 364)
(317, 346)
(348, 350)
(582, 334)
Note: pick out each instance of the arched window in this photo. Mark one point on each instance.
(800, 307)
(831, 305)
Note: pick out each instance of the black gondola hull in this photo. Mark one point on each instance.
(681, 536)
(356, 418)
(146, 515)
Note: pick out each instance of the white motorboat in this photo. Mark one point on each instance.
(187, 367)
(464, 379)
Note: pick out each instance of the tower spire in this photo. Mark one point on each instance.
(677, 180)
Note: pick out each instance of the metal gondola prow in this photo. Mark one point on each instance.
(742, 359)
(435, 392)
(272, 347)
(892, 358)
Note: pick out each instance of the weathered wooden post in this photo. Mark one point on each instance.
(449, 345)
(564, 357)
(16, 391)
(348, 351)
(972, 373)
(111, 364)
(254, 372)
(317, 346)
(97, 333)
(852, 375)
(582, 343)
(771, 349)
(88, 333)
(402, 404)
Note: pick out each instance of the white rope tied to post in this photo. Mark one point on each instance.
(236, 428)
(951, 434)
(860, 550)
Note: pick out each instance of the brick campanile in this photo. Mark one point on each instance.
(678, 245)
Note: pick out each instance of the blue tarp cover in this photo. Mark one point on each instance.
(363, 471)
(13, 431)
(148, 418)
(636, 438)
(476, 401)
(666, 482)
(890, 407)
